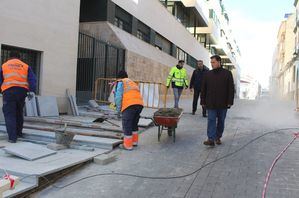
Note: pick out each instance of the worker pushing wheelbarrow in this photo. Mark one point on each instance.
(167, 119)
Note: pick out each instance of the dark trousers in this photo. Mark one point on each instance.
(13, 105)
(130, 119)
(216, 121)
(195, 102)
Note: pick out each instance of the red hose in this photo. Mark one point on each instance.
(296, 135)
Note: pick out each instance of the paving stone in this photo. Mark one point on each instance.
(105, 159)
(47, 106)
(28, 151)
(31, 107)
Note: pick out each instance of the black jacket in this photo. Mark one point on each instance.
(197, 77)
(217, 90)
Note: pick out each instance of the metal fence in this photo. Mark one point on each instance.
(96, 59)
(154, 94)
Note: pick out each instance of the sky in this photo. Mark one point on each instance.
(255, 26)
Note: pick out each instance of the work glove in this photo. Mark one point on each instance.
(30, 95)
(112, 106)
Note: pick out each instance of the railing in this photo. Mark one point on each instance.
(96, 59)
(154, 94)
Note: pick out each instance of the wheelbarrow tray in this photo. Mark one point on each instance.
(167, 121)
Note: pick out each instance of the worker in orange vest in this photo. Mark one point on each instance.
(129, 102)
(17, 81)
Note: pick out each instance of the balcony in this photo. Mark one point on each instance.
(187, 10)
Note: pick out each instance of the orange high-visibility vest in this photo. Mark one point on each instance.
(131, 95)
(15, 74)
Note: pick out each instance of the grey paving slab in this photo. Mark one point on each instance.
(28, 151)
(62, 159)
(31, 107)
(47, 106)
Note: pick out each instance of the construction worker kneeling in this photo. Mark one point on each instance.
(129, 102)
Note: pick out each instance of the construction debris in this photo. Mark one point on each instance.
(169, 112)
(7, 183)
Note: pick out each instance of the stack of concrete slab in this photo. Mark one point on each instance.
(44, 106)
(31, 107)
(73, 103)
(29, 172)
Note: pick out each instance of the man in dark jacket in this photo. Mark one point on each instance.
(195, 84)
(217, 95)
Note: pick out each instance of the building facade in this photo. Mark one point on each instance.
(46, 34)
(156, 34)
(283, 76)
(70, 43)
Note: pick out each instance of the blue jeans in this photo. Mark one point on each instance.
(216, 120)
(177, 92)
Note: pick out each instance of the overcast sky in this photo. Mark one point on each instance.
(255, 25)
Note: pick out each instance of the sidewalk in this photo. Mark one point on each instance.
(240, 175)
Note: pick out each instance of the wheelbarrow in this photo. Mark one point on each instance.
(167, 123)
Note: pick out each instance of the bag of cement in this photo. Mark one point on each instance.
(111, 96)
(169, 112)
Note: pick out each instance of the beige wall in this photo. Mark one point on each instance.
(282, 66)
(49, 26)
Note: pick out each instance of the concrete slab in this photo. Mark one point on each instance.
(47, 106)
(104, 159)
(73, 103)
(29, 171)
(31, 107)
(28, 151)
(49, 137)
(44, 166)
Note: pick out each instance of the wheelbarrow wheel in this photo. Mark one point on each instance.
(169, 131)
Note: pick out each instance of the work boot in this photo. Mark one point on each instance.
(135, 138)
(128, 143)
(209, 143)
(12, 141)
(218, 141)
(193, 112)
(204, 115)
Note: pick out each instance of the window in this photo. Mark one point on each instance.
(162, 44)
(181, 54)
(30, 57)
(118, 23)
(143, 32)
(123, 19)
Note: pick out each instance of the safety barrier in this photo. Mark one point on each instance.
(154, 94)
